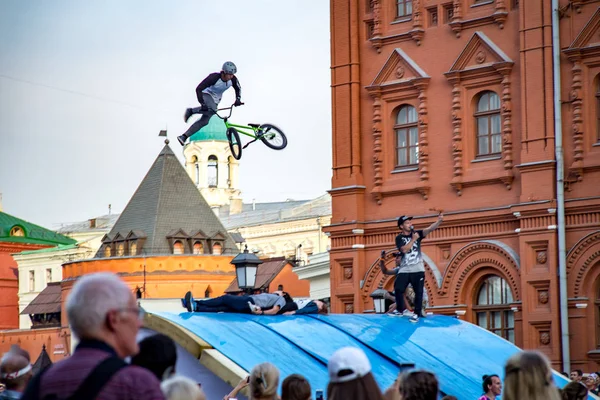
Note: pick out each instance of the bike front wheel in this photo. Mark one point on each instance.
(235, 145)
(273, 137)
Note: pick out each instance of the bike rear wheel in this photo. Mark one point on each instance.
(273, 137)
(235, 145)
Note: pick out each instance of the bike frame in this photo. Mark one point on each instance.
(243, 129)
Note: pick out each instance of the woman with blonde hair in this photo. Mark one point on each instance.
(527, 375)
(264, 381)
(181, 388)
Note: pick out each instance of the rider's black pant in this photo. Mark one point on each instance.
(208, 110)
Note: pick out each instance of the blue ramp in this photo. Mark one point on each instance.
(458, 352)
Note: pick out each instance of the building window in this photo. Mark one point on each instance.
(198, 248)
(597, 306)
(48, 275)
(493, 308)
(217, 249)
(17, 231)
(31, 281)
(132, 248)
(213, 171)
(433, 16)
(407, 137)
(107, 250)
(120, 249)
(178, 247)
(196, 169)
(404, 8)
(487, 120)
(229, 171)
(598, 108)
(448, 13)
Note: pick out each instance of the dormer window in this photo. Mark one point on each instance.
(17, 231)
(178, 247)
(107, 250)
(198, 248)
(217, 249)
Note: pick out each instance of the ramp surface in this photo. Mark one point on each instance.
(459, 353)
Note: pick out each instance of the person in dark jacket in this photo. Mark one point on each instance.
(209, 93)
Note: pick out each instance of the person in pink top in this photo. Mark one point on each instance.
(491, 386)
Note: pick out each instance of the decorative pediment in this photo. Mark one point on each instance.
(480, 52)
(135, 234)
(398, 70)
(218, 236)
(177, 233)
(118, 237)
(106, 238)
(198, 235)
(589, 35)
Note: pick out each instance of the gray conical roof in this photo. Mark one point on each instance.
(167, 203)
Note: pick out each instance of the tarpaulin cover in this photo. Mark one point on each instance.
(458, 352)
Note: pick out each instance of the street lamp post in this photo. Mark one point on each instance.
(246, 265)
(378, 297)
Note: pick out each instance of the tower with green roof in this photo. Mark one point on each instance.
(210, 165)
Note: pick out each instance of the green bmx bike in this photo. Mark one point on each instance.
(269, 134)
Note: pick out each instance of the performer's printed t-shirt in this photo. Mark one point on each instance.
(412, 261)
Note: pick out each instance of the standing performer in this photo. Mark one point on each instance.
(411, 268)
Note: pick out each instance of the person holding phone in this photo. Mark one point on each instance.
(411, 268)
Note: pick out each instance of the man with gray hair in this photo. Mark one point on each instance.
(103, 314)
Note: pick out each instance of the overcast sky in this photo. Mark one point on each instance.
(85, 87)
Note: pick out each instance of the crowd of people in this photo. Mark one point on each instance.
(105, 317)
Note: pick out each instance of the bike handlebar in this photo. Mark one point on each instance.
(230, 108)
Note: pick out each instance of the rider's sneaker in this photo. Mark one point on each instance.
(414, 318)
(181, 140)
(188, 113)
(253, 307)
(188, 301)
(407, 313)
(395, 313)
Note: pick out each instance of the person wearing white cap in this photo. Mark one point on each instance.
(350, 376)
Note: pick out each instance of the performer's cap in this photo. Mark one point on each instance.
(403, 218)
(347, 364)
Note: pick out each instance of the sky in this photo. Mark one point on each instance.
(86, 86)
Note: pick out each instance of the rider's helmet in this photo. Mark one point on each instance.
(229, 68)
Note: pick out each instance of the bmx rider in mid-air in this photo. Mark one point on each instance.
(209, 93)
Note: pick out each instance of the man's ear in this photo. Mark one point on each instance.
(111, 319)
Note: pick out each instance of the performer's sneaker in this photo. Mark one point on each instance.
(253, 307)
(408, 313)
(188, 113)
(188, 301)
(181, 140)
(414, 318)
(396, 313)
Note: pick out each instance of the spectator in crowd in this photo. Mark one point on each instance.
(350, 376)
(576, 375)
(574, 391)
(491, 387)
(527, 375)
(241, 385)
(103, 314)
(15, 373)
(418, 385)
(158, 355)
(264, 303)
(295, 387)
(181, 388)
(591, 383)
(264, 381)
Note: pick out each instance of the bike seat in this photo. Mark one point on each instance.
(254, 125)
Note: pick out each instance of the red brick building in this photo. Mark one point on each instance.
(449, 104)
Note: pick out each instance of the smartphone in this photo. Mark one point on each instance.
(319, 395)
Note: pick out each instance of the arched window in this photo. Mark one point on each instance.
(217, 249)
(198, 248)
(213, 169)
(107, 250)
(120, 249)
(488, 123)
(597, 307)
(407, 137)
(178, 247)
(132, 248)
(17, 231)
(229, 171)
(493, 308)
(404, 8)
(196, 169)
(597, 108)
